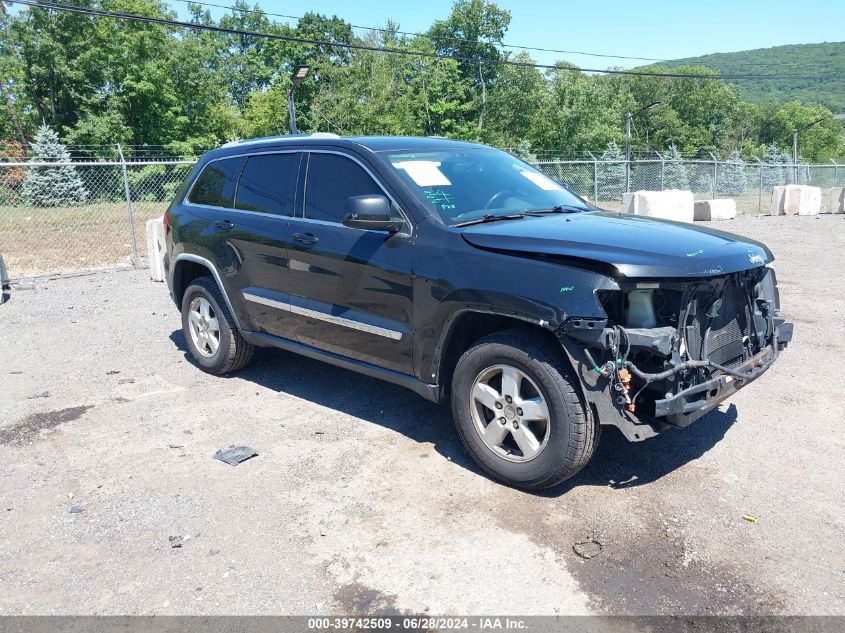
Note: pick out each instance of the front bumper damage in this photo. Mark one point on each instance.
(679, 386)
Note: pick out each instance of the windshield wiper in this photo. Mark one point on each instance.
(492, 217)
(558, 208)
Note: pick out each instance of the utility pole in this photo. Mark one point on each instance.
(628, 142)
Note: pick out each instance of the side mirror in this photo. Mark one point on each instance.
(371, 213)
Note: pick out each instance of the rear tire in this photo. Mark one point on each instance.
(210, 331)
(539, 444)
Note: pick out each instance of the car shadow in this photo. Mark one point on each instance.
(617, 462)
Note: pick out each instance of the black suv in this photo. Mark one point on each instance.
(459, 271)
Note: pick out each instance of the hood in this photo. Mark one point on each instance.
(636, 246)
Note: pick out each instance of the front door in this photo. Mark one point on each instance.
(350, 288)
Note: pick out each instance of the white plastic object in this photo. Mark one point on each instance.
(640, 309)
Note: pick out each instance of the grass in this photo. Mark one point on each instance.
(37, 240)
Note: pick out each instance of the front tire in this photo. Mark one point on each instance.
(518, 412)
(213, 338)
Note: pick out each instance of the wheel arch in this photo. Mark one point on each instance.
(188, 267)
(467, 326)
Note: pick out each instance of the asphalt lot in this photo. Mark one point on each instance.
(362, 500)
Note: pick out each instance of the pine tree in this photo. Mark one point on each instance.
(611, 173)
(675, 175)
(522, 150)
(52, 186)
(775, 171)
(732, 179)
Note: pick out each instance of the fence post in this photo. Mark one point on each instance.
(760, 194)
(595, 179)
(715, 164)
(129, 213)
(835, 169)
(662, 169)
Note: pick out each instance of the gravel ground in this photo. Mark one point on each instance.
(362, 499)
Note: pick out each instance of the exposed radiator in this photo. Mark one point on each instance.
(721, 339)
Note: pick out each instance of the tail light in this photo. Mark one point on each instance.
(166, 221)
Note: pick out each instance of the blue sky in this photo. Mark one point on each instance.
(646, 29)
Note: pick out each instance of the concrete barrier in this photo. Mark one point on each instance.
(795, 200)
(671, 204)
(836, 202)
(719, 209)
(156, 248)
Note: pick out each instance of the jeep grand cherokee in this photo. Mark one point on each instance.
(467, 275)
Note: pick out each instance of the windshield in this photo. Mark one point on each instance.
(469, 184)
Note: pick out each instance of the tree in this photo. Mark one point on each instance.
(611, 173)
(819, 142)
(675, 175)
(52, 186)
(774, 167)
(474, 31)
(732, 179)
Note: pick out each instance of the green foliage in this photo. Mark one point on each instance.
(610, 172)
(731, 178)
(52, 186)
(675, 174)
(775, 171)
(827, 60)
(100, 81)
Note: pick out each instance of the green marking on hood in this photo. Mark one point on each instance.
(567, 288)
(695, 253)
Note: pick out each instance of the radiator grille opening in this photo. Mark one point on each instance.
(721, 339)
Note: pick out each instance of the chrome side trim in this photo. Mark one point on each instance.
(322, 316)
(202, 260)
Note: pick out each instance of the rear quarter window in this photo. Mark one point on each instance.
(215, 186)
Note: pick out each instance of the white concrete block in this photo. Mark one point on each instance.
(629, 202)
(719, 209)
(671, 204)
(776, 206)
(795, 200)
(802, 200)
(836, 202)
(156, 248)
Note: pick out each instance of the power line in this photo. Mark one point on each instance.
(463, 39)
(380, 49)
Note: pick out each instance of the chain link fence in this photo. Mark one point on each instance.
(94, 213)
(81, 215)
(749, 184)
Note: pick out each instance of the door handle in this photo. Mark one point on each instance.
(224, 225)
(305, 238)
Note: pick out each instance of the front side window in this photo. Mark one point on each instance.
(266, 184)
(468, 184)
(330, 181)
(215, 186)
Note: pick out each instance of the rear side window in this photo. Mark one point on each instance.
(266, 184)
(331, 180)
(216, 184)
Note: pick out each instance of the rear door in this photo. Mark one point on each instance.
(254, 237)
(350, 288)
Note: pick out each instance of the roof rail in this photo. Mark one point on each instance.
(281, 137)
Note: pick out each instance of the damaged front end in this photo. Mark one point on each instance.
(670, 351)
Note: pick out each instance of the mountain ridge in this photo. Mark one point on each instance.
(822, 58)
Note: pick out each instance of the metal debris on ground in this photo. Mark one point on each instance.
(126, 381)
(234, 455)
(587, 549)
(176, 541)
(43, 394)
(750, 518)
(76, 509)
